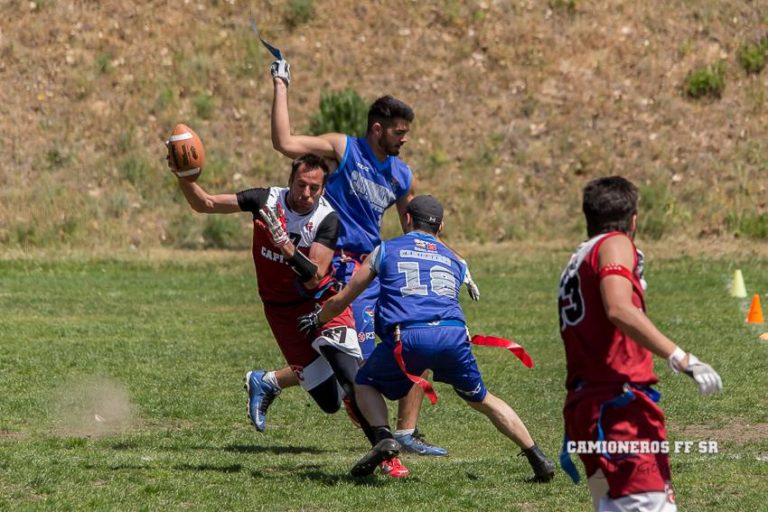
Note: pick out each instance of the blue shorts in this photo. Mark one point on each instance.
(444, 350)
(363, 307)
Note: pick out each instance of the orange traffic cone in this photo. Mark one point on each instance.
(755, 315)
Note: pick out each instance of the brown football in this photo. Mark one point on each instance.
(186, 151)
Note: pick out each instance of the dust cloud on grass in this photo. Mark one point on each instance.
(93, 406)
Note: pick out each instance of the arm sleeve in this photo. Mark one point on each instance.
(376, 258)
(252, 200)
(328, 231)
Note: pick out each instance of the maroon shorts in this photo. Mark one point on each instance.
(296, 346)
(640, 420)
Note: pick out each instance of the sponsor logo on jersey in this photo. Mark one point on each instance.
(421, 245)
(369, 312)
(362, 336)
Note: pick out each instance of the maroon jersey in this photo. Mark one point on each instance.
(277, 283)
(597, 352)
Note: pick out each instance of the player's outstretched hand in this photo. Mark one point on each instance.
(474, 291)
(705, 376)
(311, 321)
(282, 70)
(275, 220)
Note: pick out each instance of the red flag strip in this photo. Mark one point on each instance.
(493, 341)
(424, 384)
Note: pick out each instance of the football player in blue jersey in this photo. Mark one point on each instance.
(368, 179)
(422, 327)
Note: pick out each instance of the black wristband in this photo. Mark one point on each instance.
(302, 265)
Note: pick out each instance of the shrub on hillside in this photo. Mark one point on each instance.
(298, 12)
(342, 112)
(749, 225)
(752, 56)
(706, 82)
(204, 105)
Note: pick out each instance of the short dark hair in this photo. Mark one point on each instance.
(421, 225)
(609, 204)
(386, 109)
(311, 161)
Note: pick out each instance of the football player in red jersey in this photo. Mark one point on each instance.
(294, 236)
(609, 347)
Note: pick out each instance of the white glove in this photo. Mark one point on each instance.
(705, 376)
(474, 291)
(275, 220)
(282, 70)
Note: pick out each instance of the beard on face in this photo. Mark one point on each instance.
(389, 149)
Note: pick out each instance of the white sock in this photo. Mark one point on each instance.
(404, 432)
(271, 378)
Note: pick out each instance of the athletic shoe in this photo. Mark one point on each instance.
(394, 468)
(543, 467)
(260, 395)
(410, 443)
(384, 450)
(351, 412)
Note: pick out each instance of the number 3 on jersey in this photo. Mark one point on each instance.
(441, 280)
(570, 300)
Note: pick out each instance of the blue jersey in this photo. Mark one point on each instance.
(360, 190)
(420, 280)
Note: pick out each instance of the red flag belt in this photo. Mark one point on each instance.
(424, 384)
(515, 348)
(488, 341)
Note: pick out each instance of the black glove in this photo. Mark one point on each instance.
(310, 322)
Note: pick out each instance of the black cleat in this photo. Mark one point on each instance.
(543, 468)
(381, 451)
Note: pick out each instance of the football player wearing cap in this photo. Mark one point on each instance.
(422, 327)
(609, 347)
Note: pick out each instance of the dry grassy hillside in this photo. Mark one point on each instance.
(518, 103)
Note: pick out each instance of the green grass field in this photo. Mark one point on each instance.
(157, 350)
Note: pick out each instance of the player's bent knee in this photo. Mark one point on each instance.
(326, 395)
(328, 404)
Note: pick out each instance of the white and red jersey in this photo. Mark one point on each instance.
(597, 352)
(277, 283)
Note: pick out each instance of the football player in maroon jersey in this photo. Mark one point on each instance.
(294, 237)
(609, 347)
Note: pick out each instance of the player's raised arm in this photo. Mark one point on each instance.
(329, 145)
(200, 200)
(203, 202)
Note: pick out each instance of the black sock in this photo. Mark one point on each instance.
(382, 432)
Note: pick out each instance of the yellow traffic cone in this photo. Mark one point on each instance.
(737, 285)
